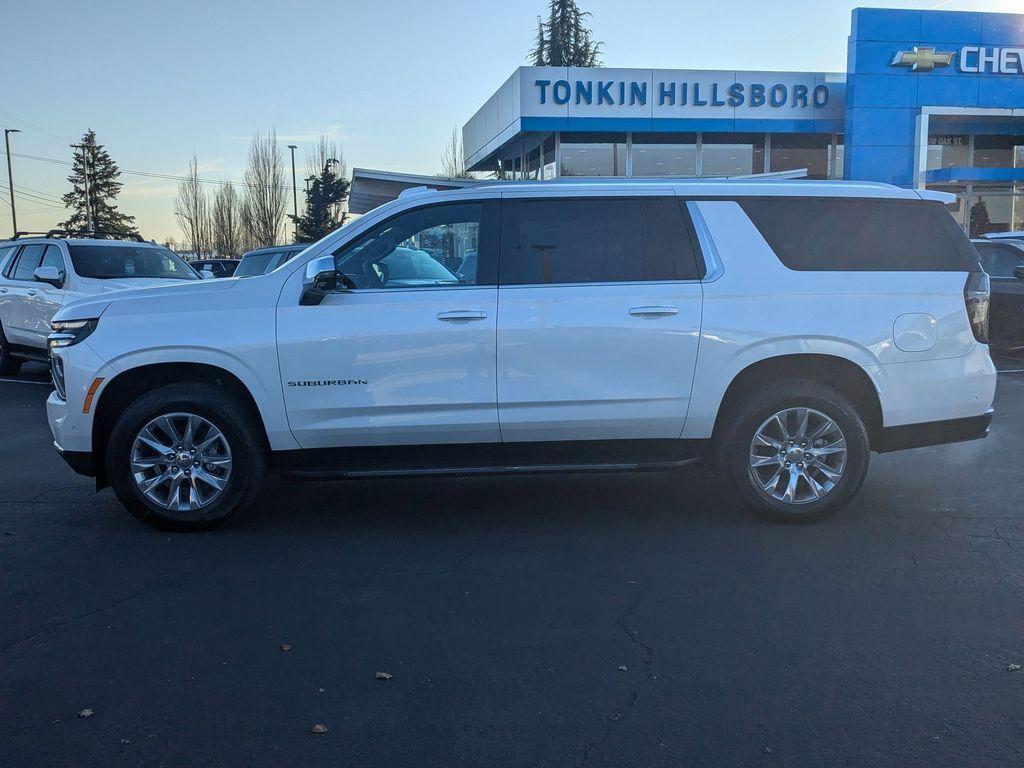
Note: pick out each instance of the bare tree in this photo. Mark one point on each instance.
(226, 221)
(266, 190)
(453, 164)
(192, 210)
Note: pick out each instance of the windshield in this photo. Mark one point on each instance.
(263, 262)
(111, 262)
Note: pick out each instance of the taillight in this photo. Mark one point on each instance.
(977, 297)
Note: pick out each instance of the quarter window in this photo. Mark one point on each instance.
(432, 247)
(836, 234)
(596, 241)
(52, 258)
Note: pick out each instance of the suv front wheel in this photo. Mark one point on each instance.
(185, 457)
(796, 450)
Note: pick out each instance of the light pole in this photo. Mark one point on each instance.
(295, 194)
(10, 175)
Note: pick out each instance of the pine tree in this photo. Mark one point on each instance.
(103, 190)
(980, 221)
(539, 53)
(564, 40)
(327, 191)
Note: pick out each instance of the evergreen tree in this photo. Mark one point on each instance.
(980, 221)
(327, 191)
(564, 40)
(103, 190)
(539, 53)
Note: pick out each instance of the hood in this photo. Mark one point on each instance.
(129, 283)
(131, 288)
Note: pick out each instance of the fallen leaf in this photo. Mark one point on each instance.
(126, 741)
(1012, 667)
(383, 676)
(320, 728)
(622, 668)
(319, 690)
(285, 647)
(86, 713)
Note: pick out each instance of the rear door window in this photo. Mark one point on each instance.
(596, 240)
(850, 235)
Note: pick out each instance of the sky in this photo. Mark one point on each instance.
(385, 79)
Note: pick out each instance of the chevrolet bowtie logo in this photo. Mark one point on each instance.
(921, 59)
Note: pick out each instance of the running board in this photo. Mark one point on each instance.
(513, 469)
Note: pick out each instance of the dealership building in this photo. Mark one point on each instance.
(930, 99)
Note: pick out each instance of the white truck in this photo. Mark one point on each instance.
(38, 275)
(786, 329)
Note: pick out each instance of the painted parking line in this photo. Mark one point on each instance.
(26, 381)
(1011, 370)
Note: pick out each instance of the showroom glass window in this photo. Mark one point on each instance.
(792, 151)
(593, 154)
(998, 151)
(949, 151)
(664, 154)
(732, 154)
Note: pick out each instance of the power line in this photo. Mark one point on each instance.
(36, 128)
(153, 174)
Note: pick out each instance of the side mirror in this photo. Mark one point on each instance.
(50, 275)
(1018, 272)
(320, 279)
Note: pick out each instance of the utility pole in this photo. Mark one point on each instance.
(10, 175)
(88, 195)
(295, 195)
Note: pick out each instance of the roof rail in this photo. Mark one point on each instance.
(95, 234)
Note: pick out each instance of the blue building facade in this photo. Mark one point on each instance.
(929, 99)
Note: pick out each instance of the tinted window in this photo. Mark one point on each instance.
(999, 260)
(862, 235)
(28, 261)
(262, 262)
(126, 261)
(434, 246)
(596, 241)
(4, 253)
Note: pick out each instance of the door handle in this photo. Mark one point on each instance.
(653, 311)
(3, 290)
(461, 314)
(32, 291)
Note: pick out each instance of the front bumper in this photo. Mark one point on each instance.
(932, 433)
(80, 461)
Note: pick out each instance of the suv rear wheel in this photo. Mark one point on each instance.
(9, 366)
(185, 457)
(797, 451)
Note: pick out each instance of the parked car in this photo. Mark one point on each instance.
(40, 274)
(1003, 260)
(783, 329)
(1004, 236)
(216, 267)
(264, 260)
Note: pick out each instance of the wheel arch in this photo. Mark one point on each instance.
(123, 388)
(840, 373)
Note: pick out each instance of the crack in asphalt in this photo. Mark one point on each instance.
(86, 615)
(647, 666)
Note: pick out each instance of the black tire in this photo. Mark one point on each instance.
(735, 448)
(243, 434)
(9, 365)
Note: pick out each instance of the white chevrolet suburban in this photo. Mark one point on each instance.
(40, 274)
(785, 329)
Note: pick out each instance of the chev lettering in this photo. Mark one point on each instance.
(681, 94)
(326, 382)
(991, 60)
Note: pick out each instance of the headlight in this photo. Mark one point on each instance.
(69, 332)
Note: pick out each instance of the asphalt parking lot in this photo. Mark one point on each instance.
(613, 620)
